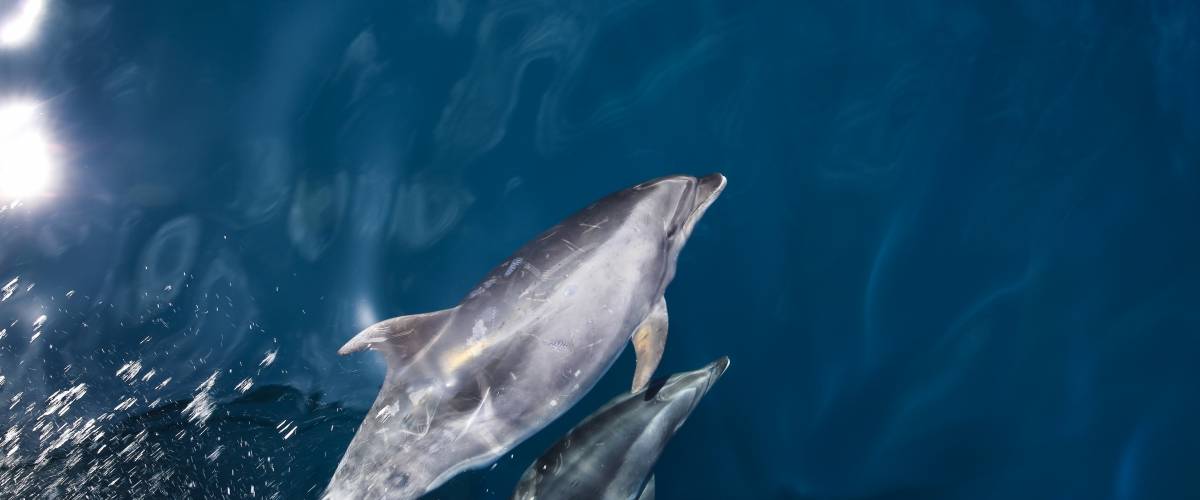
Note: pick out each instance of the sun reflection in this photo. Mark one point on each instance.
(364, 314)
(21, 23)
(26, 163)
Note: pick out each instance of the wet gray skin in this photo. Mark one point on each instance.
(610, 454)
(464, 385)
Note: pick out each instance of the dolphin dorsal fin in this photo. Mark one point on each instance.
(400, 337)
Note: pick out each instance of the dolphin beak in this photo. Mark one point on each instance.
(718, 367)
(705, 191)
(715, 370)
(702, 380)
(712, 373)
(708, 188)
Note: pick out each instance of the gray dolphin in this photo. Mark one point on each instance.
(609, 455)
(464, 385)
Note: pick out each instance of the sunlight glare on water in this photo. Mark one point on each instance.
(21, 23)
(26, 163)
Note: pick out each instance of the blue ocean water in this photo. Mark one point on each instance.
(957, 256)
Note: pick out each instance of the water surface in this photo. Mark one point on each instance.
(956, 257)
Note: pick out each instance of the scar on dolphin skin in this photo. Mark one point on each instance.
(528, 266)
(549, 234)
(474, 414)
(591, 227)
(568, 259)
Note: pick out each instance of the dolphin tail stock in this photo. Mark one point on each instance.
(400, 337)
(649, 341)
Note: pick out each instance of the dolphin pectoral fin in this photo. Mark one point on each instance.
(399, 337)
(649, 340)
(648, 490)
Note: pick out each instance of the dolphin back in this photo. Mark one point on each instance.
(611, 453)
(402, 413)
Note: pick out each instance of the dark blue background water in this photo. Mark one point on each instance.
(956, 257)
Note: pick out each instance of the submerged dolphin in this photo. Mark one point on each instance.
(609, 455)
(466, 384)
